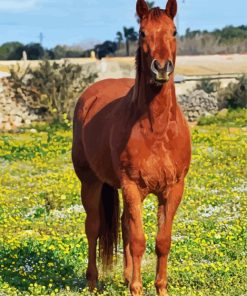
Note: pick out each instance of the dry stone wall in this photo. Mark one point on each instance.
(198, 103)
(15, 112)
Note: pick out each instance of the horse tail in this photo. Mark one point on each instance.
(109, 229)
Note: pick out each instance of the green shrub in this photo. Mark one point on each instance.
(52, 87)
(208, 86)
(235, 94)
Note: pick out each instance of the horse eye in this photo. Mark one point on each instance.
(175, 33)
(142, 34)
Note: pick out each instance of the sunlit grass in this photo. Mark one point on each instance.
(43, 247)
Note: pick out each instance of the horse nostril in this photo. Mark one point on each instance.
(157, 65)
(159, 69)
(166, 67)
(169, 66)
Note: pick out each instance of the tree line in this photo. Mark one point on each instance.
(230, 39)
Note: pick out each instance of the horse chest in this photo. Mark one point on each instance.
(150, 165)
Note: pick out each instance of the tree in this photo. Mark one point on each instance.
(107, 48)
(34, 52)
(130, 35)
(150, 4)
(119, 38)
(59, 52)
(8, 50)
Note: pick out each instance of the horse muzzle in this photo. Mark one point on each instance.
(162, 74)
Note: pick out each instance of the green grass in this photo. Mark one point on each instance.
(43, 248)
(233, 117)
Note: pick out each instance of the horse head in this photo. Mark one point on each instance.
(157, 40)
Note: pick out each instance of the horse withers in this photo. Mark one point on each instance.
(131, 134)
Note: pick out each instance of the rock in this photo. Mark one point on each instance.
(27, 121)
(33, 131)
(17, 121)
(7, 126)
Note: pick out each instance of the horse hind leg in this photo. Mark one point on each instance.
(90, 196)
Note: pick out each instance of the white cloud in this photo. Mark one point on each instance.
(17, 5)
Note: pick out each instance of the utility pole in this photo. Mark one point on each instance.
(41, 38)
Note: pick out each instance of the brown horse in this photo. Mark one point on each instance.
(131, 134)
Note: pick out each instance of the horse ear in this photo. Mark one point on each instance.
(141, 8)
(171, 8)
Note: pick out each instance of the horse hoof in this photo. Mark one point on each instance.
(136, 289)
(92, 285)
(162, 292)
(139, 293)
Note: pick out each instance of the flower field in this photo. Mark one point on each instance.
(43, 247)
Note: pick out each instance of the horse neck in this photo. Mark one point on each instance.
(159, 104)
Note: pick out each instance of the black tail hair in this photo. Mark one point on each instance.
(109, 230)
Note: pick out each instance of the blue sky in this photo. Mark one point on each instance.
(81, 21)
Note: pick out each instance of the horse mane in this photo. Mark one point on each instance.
(138, 66)
(138, 58)
(155, 13)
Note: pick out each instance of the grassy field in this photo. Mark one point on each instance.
(43, 248)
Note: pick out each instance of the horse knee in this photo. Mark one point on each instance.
(137, 246)
(163, 246)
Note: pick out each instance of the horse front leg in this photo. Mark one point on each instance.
(126, 246)
(137, 242)
(168, 204)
